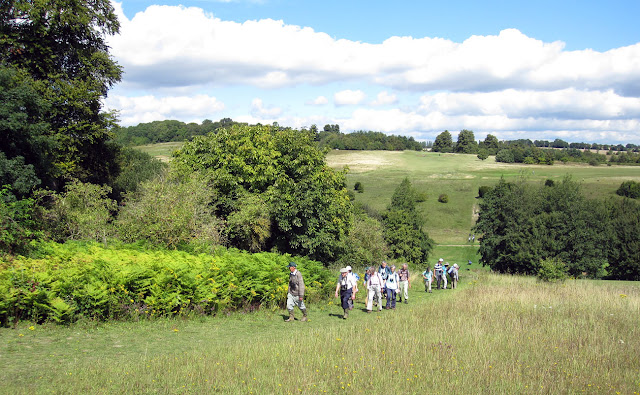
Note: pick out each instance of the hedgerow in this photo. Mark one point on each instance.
(75, 280)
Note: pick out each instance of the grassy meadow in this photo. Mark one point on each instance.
(459, 176)
(495, 334)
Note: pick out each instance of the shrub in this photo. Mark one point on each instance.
(443, 198)
(505, 156)
(630, 189)
(482, 190)
(552, 270)
(65, 282)
(549, 183)
(358, 187)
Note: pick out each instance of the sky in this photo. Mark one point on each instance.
(535, 70)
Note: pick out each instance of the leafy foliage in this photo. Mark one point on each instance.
(64, 71)
(169, 213)
(18, 226)
(366, 244)
(552, 270)
(630, 189)
(403, 226)
(522, 224)
(308, 202)
(73, 280)
(467, 143)
(443, 142)
(443, 198)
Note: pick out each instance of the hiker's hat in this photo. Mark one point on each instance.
(292, 264)
(348, 268)
(440, 260)
(344, 270)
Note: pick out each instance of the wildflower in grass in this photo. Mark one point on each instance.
(623, 295)
(32, 328)
(20, 335)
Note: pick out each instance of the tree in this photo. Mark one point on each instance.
(483, 154)
(491, 144)
(61, 46)
(467, 143)
(443, 142)
(308, 202)
(403, 226)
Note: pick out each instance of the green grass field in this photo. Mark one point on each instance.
(494, 334)
(459, 176)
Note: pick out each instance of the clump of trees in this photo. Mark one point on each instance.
(523, 225)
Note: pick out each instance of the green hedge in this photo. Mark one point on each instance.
(75, 280)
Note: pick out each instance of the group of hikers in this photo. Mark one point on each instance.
(382, 282)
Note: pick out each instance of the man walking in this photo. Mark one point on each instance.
(404, 283)
(295, 294)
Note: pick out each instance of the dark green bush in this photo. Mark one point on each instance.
(358, 187)
(443, 198)
(482, 190)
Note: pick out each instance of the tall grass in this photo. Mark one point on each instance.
(495, 334)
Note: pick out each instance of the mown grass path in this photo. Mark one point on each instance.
(495, 334)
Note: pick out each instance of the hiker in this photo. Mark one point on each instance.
(391, 285)
(444, 276)
(295, 293)
(346, 284)
(375, 283)
(453, 272)
(354, 278)
(438, 270)
(405, 283)
(384, 273)
(427, 275)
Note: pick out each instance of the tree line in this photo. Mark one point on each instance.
(526, 226)
(535, 152)
(330, 136)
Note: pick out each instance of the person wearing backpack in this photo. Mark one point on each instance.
(453, 273)
(438, 271)
(384, 272)
(345, 285)
(375, 283)
(427, 275)
(391, 286)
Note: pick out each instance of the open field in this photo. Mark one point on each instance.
(161, 151)
(495, 334)
(459, 176)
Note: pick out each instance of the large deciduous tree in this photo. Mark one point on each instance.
(309, 211)
(58, 48)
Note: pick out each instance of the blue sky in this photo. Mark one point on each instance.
(538, 70)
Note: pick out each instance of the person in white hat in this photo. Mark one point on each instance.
(438, 271)
(453, 273)
(345, 285)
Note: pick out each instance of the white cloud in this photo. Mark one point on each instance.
(259, 110)
(348, 97)
(318, 101)
(384, 98)
(508, 84)
(134, 110)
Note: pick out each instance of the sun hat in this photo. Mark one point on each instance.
(344, 270)
(348, 268)
(292, 264)
(456, 265)
(440, 260)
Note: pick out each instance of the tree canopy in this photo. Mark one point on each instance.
(309, 211)
(57, 62)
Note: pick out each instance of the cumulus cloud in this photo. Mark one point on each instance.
(260, 111)
(188, 43)
(384, 98)
(139, 109)
(507, 84)
(349, 97)
(318, 101)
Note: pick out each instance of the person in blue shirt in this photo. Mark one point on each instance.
(384, 273)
